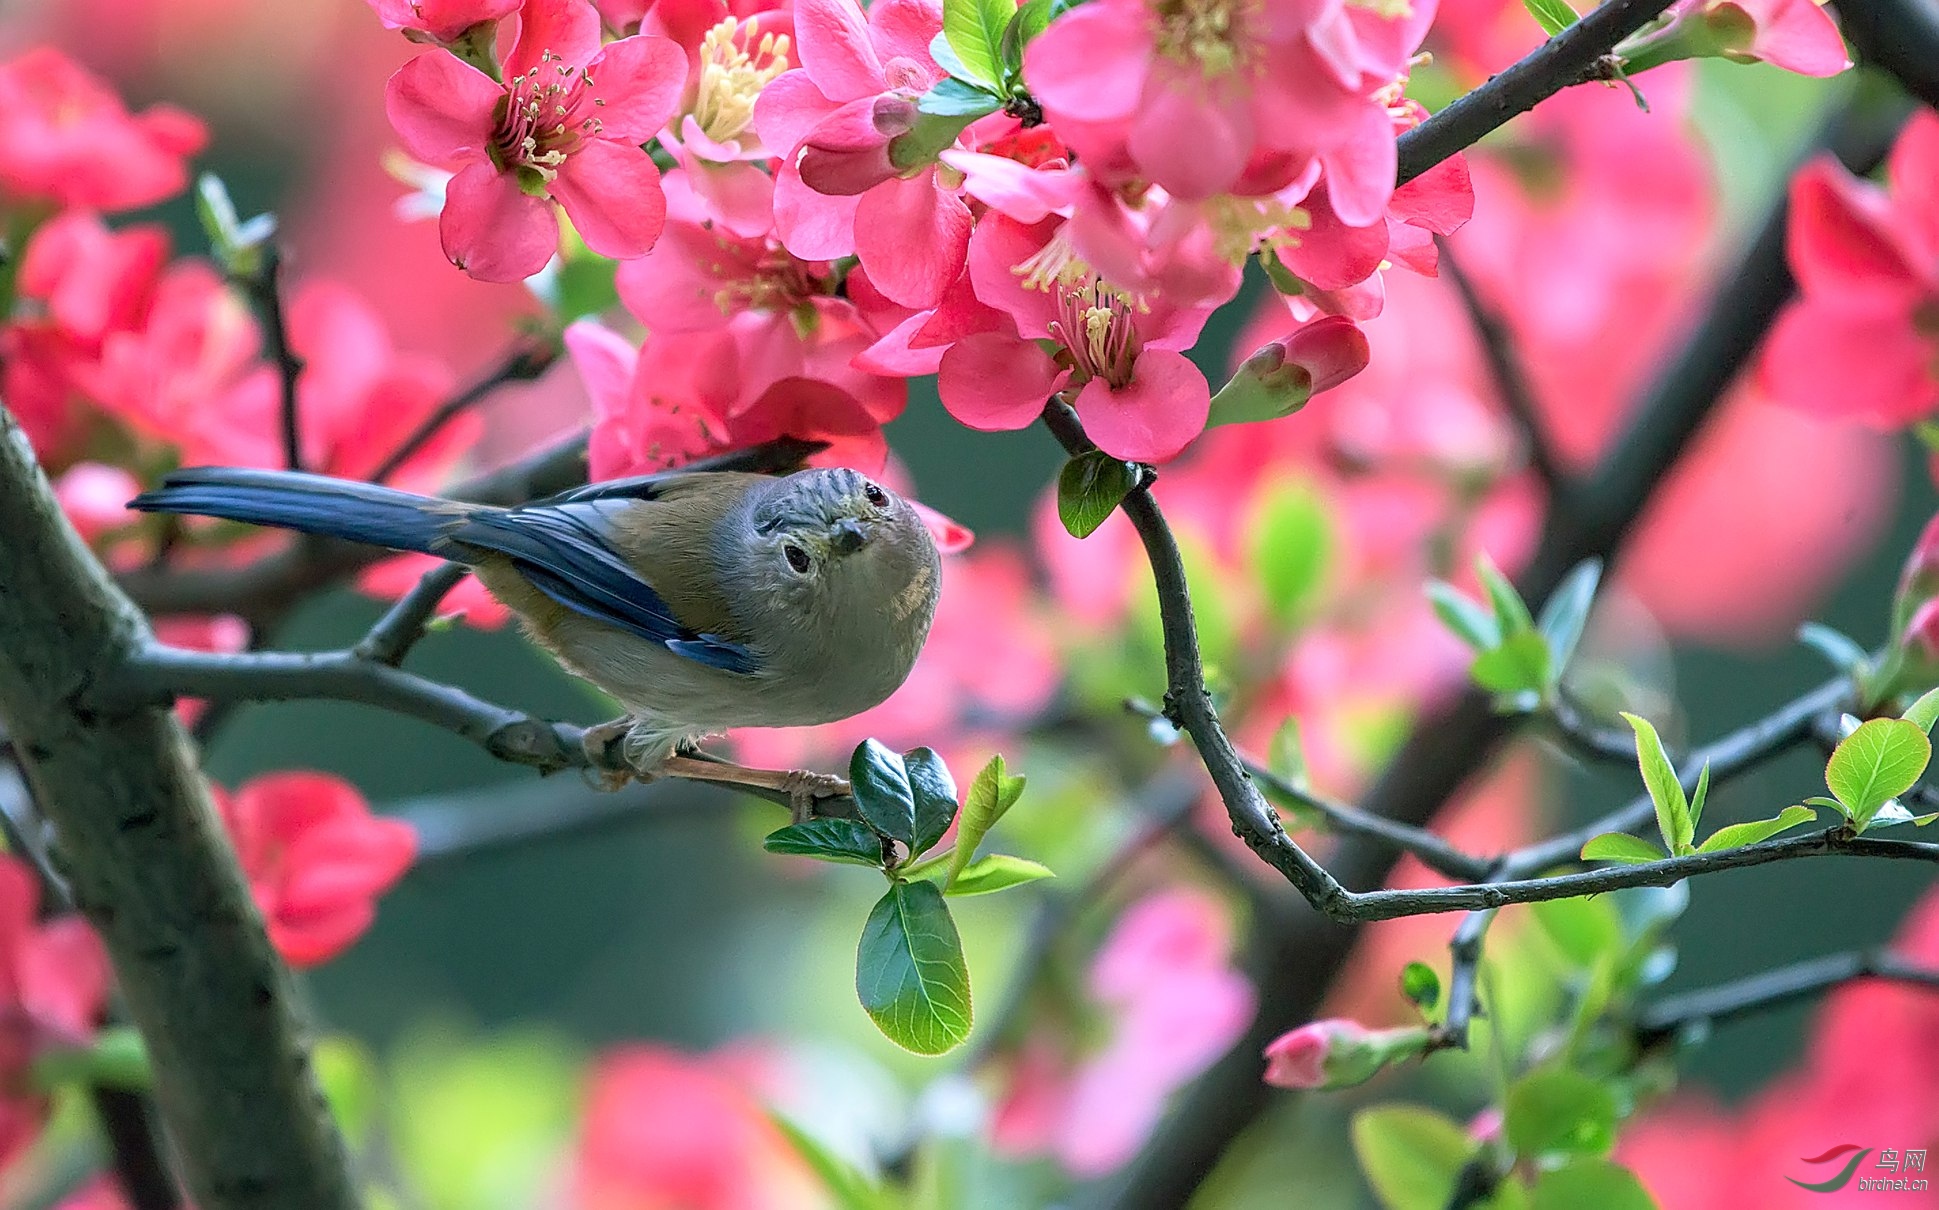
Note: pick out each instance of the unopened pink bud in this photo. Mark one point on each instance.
(1331, 350)
(1922, 632)
(847, 153)
(1338, 1053)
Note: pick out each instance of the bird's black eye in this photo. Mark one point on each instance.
(876, 496)
(797, 558)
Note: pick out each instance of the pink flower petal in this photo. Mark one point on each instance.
(998, 247)
(1798, 36)
(1028, 195)
(738, 196)
(441, 109)
(952, 537)
(995, 382)
(605, 362)
(832, 40)
(1360, 168)
(1091, 63)
(787, 109)
(492, 229)
(1841, 236)
(1152, 417)
(563, 29)
(611, 192)
(1440, 199)
(813, 226)
(903, 29)
(1913, 169)
(1188, 138)
(637, 83)
(913, 236)
(1852, 359)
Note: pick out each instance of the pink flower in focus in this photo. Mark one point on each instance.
(841, 189)
(316, 859)
(441, 20)
(1163, 977)
(53, 987)
(1862, 340)
(1796, 35)
(67, 140)
(663, 1129)
(566, 126)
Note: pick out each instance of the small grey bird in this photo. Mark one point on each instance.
(701, 601)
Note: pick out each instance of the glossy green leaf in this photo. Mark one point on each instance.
(1925, 711)
(1875, 764)
(992, 792)
(1089, 488)
(850, 1188)
(880, 783)
(909, 970)
(1737, 835)
(1031, 19)
(1698, 797)
(1511, 612)
(1553, 16)
(1554, 1109)
(997, 872)
(1893, 814)
(1470, 623)
(1659, 776)
(935, 794)
(237, 245)
(1412, 1156)
(1567, 613)
(952, 98)
(1588, 1182)
(1292, 548)
(1519, 665)
(1839, 648)
(1420, 985)
(974, 30)
(1583, 930)
(1621, 847)
(848, 840)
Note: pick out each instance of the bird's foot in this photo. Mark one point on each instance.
(804, 788)
(609, 768)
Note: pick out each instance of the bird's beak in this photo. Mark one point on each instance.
(848, 536)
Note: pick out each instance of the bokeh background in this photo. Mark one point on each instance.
(491, 977)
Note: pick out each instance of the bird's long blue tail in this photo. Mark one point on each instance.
(311, 504)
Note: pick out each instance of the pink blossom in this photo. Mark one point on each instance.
(1862, 340)
(316, 859)
(567, 125)
(1796, 35)
(66, 139)
(440, 20)
(1338, 1053)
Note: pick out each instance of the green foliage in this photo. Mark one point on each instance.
(1510, 611)
(1738, 835)
(1517, 659)
(850, 1188)
(1090, 488)
(237, 245)
(909, 970)
(1553, 16)
(117, 1058)
(1875, 764)
(1519, 665)
(1566, 615)
(953, 98)
(910, 798)
(992, 793)
(1586, 1182)
(1840, 649)
(1555, 1109)
(1292, 545)
(1412, 1155)
(1470, 623)
(935, 797)
(1421, 986)
(1583, 931)
(1286, 756)
(996, 872)
(848, 840)
(1621, 847)
(1925, 711)
(1032, 18)
(1673, 815)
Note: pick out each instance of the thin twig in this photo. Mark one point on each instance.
(266, 292)
(1580, 735)
(1464, 968)
(1573, 56)
(1774, 988)
(1512, 386)
(523, 363)
(394, 634)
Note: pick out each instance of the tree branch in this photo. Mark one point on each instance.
(146, 861)
(1774, 988)
(523, 363)
(1573, 56)
(1900, 37)
(265, 290)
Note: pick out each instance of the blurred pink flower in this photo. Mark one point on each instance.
(1336, 1053)
(567, 125)
(94, 496)
(1796, 35)
(1163, 979)
(663, 1129)
(66, 139)
(316, 859)
(441, 20)
(1862, 340)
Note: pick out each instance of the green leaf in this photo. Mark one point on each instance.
(991, 793)
(1412, 1155)
(1875, 764)
(1819, 800)
(1511, 613)
(848, 840)
(1292, 548)
(117, 1058)
(1659, 776)
(1583, 930)
(880, 783)
(1839, 648)
(585, 284)
(1737, 835)
(1892, 814)
(935, 794)
(1925, 711)
(1621, 847)
(1553, 16)
(1697, 797)
(851, 1188)
(1031, 19)
(996, 872)
(237, 245)
(1089, 488)
(953, 98)
(909, 970)
(1286, 755)
(1420, 985)
(1470, 623)
(1567, 612)
(1589, 1182)
(1554, 1109)
(1520, 664)
(974, 30)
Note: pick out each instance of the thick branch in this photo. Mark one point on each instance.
(1778, 987)
(1573, 56)
(146, 861)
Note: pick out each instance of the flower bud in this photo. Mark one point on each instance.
(1338, 1053)
(1921, 637)
(1277, 380)
(847, 153)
